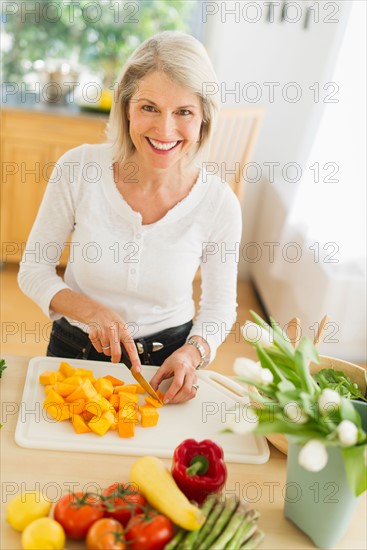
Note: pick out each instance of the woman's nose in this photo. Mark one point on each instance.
(165, 126)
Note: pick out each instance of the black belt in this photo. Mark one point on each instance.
(152, 350)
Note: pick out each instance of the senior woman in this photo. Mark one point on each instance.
(143, 215)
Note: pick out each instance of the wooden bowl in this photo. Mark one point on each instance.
(355, 373)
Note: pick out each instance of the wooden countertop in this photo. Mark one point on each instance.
(55, 472)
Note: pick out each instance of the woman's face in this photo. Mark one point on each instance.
(165, 120)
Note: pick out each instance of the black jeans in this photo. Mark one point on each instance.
(71, 342)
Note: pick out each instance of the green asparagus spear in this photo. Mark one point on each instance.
(189, 541)
(243, 533)
(254, 541)
(209, 524)
(173, 543)
(223, 520)
(252, 515)
(227, 534)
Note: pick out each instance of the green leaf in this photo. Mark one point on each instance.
(305, 353)
(3, 366)
(355, 467)
(259, 321)
(267, 363)
(348, 412)
(281, 340)
(268, 391)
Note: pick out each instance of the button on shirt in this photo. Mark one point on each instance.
(143, 272)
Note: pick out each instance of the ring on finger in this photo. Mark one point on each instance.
(196, 386)
(106, 347)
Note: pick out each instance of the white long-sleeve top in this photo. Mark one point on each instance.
(143, 272)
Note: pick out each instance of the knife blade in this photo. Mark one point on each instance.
(145, 384)
(125, 360)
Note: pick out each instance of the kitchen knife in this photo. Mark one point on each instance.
(125, 360)
(145, 384)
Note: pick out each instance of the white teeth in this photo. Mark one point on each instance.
(162, 146)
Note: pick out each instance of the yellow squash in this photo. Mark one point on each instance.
(155, 481)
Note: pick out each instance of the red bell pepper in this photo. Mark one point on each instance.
(199, 469)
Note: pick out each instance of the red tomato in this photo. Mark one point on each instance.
(124, 502)
(77, 512)
(106, 534)
(150, 531)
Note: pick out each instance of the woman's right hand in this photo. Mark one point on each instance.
(107, 331)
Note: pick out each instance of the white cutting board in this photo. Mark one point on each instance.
(201, 418)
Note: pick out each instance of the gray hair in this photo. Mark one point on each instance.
(185, 61)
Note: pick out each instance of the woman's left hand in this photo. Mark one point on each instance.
(181, 365)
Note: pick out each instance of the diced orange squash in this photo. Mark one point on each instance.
(128, 414)
(60, 376)
(114, 381)
(79, 424)
(104, 387)
(127, 398)
(58, 411)
(66, 369)
(125, 428)
(73, 380)
(64, 389)
(101, 425)
(85, 391)
(117, 389)
(53, 397)
(149, 416)
(114, 399)
(87, 415)
(131, 388)
(48, 377)
(98, 404)
(49, 387)
(151, 401)
(112, 414)
(76, 407)
(160, 394)
(140, 389)
(85, 373)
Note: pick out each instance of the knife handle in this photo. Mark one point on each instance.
(125, 358)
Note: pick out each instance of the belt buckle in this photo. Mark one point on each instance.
(156, 346)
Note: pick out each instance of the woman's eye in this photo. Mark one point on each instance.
(185, 112)
(148, 108)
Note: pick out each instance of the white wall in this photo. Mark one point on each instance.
(245, 50)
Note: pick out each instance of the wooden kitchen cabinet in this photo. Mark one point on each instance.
(31, 142)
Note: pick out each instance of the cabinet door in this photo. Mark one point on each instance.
(24, 175)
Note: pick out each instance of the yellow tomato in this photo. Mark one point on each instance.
(43, 534)
(26, 507)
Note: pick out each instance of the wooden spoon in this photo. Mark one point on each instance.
(294, 331)
(324, 321)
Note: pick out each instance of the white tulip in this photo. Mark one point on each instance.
(245, 425)
(247, 368)
(252, 333)
(329, 400)
(313, 456)
(252, 370)
(347, 433)
(266, 377)
(294, 412)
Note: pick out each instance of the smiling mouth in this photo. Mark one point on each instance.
(163, 146)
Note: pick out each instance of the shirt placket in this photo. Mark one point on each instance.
(134, 262)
